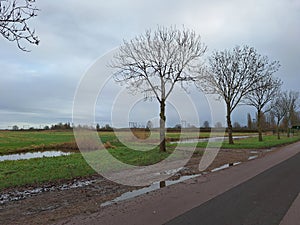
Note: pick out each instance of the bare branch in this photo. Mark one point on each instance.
(14, 15)
(233, 74)
(159, 59)
(263, 92)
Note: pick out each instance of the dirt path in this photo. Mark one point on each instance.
(84, 203)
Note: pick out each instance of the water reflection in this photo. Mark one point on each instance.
(152, 187)
(31, 155)
(211, 139)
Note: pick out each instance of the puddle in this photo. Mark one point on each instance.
(31, 155)
(252, 157)
(152, 187)
(270, 150)
(158, 185)
(225, 166)
(212, 139)
(19, 195)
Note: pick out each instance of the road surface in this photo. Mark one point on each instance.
(262, 200)
(260, 191)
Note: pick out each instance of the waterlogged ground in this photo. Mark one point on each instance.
(53, 202)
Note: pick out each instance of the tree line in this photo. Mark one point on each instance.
(154, 62)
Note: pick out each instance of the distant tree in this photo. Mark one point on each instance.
(46, 127)
(107, 127)
(149, 125)
(232, 74)
(15, 127)
(270, 120)
(296, 119)
(177, 126)
(61, 126)
(264, 90)
(237, 125)
(67, 126)
(291, 103)
(206, 124)
(14, 17)
(278, 110)
(98, 127)
(154, 62)
(263, 121)
(218, 125)
(249, 121)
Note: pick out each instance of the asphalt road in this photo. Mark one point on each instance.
(262, 200)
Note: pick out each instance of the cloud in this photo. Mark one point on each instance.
(74, 34)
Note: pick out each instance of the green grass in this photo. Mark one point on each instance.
(253, 143)
(11, 141)
(139, 158)
(37, 171)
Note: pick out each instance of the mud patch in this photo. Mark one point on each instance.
(63, 200)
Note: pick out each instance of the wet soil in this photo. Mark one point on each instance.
(65, 199)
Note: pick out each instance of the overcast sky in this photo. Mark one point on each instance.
(38, 88)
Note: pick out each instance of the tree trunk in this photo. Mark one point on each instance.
(162, 131)
(278, 134)
(229, 125)
(259, 125)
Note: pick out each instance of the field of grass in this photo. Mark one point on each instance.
(17, 141)
(13, 141)
(36, 171)
(253, 143)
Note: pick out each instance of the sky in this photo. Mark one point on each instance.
(38, 88)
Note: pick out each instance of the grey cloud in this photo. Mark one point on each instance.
(74, 34)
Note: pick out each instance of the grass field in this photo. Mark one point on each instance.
(17, 141)
(14, 141)
(253, 143)
(36, 171)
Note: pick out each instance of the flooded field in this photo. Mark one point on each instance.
(31, 155)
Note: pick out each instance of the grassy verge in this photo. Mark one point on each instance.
(253, 143)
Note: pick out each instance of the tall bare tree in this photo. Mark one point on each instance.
(14, 17)
(262, 94)
(232, 74)
(278, 110)
(155, 61)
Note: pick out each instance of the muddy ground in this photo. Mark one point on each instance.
(54, 202)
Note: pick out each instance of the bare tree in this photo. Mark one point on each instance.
(278, 110)
(206, 124)
(237, 125)
(270, 120)
(149, 125)
(14, 17)
(218, 125)
(232, 75)
(154, 62)
(262, 94)
(291, 104)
